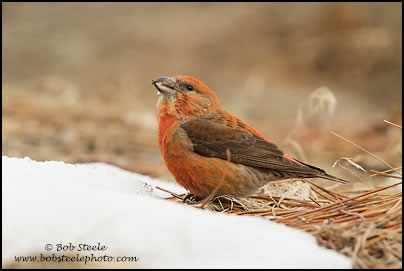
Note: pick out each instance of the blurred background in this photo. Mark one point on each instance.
(77, 77)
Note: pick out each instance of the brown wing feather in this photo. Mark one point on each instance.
(212, 139)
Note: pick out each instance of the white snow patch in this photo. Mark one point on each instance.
(59, 203)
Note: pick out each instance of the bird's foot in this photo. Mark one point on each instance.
(191, 199)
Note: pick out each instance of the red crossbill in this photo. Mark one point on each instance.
(207, 148)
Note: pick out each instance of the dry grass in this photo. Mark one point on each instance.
(366, 227)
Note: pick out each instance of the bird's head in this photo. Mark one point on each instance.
(185, 97)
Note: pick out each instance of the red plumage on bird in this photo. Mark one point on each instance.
(207, 148)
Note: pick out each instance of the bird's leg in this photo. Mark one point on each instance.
(191, 199)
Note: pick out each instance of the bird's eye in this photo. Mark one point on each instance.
(189, 87)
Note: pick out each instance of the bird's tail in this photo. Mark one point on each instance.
(322, 174)
(333, 178)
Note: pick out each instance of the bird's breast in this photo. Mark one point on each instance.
(173, 141)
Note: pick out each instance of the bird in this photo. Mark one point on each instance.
(208, 149)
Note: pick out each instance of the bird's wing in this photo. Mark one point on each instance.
(212, 139)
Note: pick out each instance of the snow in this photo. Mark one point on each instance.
(58, 203)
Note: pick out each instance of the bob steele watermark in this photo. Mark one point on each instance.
(77, 247)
